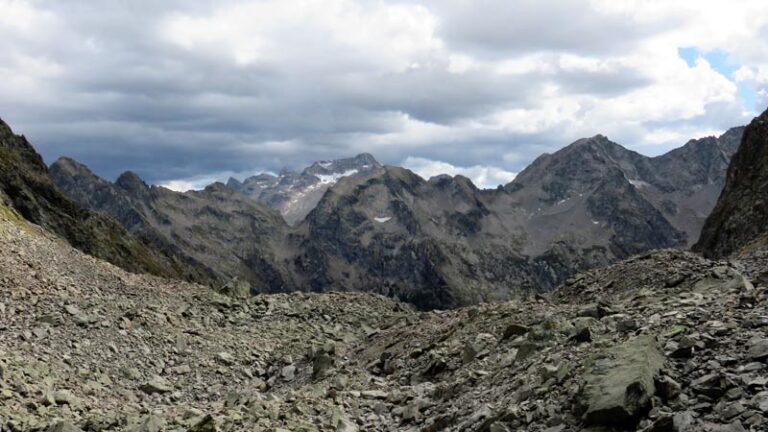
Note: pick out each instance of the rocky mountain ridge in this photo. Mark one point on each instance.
(437, 243)
(295, 194)
(588, 205)
(27, 190)
(227, 233)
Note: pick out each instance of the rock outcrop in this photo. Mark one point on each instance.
(741, 214)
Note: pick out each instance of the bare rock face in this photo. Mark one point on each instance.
(437, 243)
(444, 243)
(224, 232)
(741, 214)
(295, 194)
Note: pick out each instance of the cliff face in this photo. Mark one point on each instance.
(741, 213)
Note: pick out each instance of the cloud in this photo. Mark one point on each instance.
(199, 182)
(183, 89)
(485, 177)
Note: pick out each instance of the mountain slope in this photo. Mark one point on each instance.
(394, 233)
(224, 231)
(741, 213)
(26, 186)
(661, 342)
(439, 243)
(294, 194)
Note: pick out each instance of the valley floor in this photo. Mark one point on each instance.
(667, 341)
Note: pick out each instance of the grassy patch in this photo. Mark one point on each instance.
(11, 216)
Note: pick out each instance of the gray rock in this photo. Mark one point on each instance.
(288, 372)
(758, 350)
(206, 424)
(678, 422)
(618, 388)
(63, 426)
(513, 330)
(156, 385)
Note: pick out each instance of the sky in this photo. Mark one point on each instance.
(189, 92)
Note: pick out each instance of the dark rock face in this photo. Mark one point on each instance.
(444, 243)
(295, 194)
(224, 232)
(26, 185)
(399, 235)
(741, 214)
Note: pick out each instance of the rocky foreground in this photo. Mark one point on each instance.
(667, 341)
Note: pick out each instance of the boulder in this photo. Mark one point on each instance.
(156, 385)
(63, 426)
(618, 387)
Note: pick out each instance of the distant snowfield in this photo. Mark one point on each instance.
(333, 178)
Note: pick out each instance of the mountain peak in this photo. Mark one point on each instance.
(71, 166)
(366, 158)
(130, 181)
(598, 141)
(234, 183)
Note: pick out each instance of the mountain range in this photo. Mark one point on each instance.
(355, 225)
(27, 188)
(664, 341)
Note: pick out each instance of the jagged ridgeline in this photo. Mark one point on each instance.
(27, 189)
(355, 225)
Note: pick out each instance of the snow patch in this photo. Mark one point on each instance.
(382, 219)
(638, 183)
(333, 178)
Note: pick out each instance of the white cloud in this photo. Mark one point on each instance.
(199, 182)
(311, 32)
(177, 90)
(485, 177)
